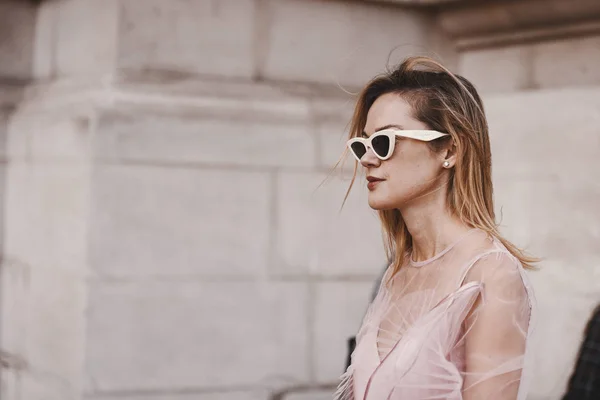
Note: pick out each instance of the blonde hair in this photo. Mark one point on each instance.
(448, 103)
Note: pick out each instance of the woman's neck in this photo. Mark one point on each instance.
(432, 227)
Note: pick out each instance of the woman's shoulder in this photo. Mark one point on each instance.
(497, 263)
(502, 275)
(488, 260)
(485, 251)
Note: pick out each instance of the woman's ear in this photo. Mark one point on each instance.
(450, 155)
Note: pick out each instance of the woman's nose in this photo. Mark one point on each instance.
(370, 160)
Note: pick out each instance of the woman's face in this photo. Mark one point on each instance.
(413, 170)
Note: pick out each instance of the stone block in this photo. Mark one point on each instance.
(177, 221)
(56, 323)
(549, 132)
(204, 97)
(36, 385)
(225, 394)
(179, 36)
(17, 137)
(310, 395)
(545, 196)
(339, 42)
(332, 139)
(4, 122)
(339, 308)
(17, 31)
(334, 106)
(55, 138)
(3, 190)
(502, 69)
(567, 205)
(567, 62)
(163, 336)
(20, 214)
(535, 211)
(43, 323)
(46, 215)
(14, 291)
(42, 329)
(86, 37)
(313, 236)
(514, 198)
(176, 139)
(43, 292)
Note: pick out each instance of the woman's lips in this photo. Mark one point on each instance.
(371, 185)
(373, 181)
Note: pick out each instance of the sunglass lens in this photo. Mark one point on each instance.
(381, 145)
(358, 149)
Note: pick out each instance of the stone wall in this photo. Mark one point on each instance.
(552, 64)
(171, 231)
(171, 224)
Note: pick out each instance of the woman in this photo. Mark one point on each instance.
(453, 316)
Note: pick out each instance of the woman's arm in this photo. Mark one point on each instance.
(496, 331)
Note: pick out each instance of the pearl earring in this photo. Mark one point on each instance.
(446, 164)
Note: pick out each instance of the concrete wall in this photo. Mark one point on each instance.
(167, 235)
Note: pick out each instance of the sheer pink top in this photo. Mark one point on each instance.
(456, 326)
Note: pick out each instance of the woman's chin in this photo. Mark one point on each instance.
(379, 204)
